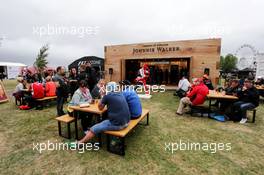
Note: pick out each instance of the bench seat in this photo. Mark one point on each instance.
(65, 119)
(131, 125)
(46, 98)
(122, 133)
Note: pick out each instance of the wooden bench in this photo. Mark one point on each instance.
(254, 114)
(47, 98)
(122, 133)
(65, 119)
(42, 100)
(203, 109)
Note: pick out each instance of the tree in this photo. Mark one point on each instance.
(228, 63)
(41, 60)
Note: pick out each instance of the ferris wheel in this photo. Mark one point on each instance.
(247, 57)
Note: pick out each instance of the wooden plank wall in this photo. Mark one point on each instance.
(204, 53)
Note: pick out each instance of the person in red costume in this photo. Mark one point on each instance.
(196, 96)
(143, 77)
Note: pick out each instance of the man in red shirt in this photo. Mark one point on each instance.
(195, 97)
(50, 87)
(37, 90)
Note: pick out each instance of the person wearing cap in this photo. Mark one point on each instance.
(196, 96)
(20, 86)
(18, 93)
(208, 82)
(118, 114)
(248, 99)
(132, 99)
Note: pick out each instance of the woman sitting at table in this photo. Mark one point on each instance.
(118, 114)
(81, 96)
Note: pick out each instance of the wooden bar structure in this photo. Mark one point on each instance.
(198, 56)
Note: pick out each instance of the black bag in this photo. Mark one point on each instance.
(181, 93)
(116, 146)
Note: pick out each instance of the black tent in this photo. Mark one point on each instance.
(96, 62)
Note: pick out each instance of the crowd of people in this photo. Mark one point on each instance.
(123, 104)
(32, 86)
(196, 93)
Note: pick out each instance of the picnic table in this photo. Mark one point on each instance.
(93, 109)
(260, 87)
(219, 96)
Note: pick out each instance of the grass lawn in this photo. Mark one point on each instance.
(145, 151)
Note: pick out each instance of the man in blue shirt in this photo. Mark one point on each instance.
(132, 99)
(118, 113)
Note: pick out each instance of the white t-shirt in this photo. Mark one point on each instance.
(184, 84)
(19, 87)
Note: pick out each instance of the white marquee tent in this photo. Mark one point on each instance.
(11, 69)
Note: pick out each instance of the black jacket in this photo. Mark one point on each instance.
(231, 91)
(249, 95)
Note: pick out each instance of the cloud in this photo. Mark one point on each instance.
(122, 22)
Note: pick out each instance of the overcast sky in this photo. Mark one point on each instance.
(76, 28)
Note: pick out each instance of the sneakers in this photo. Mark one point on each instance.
(243, 121)
(179, 113)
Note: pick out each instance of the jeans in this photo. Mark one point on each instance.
(240, 108)
(106, 125)
(60, 102)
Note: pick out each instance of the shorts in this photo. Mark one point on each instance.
(106, 125)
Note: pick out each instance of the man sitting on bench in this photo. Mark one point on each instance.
(37, 92)
(248, 99)
(132, 99)
(196, 96)
(118, 114)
